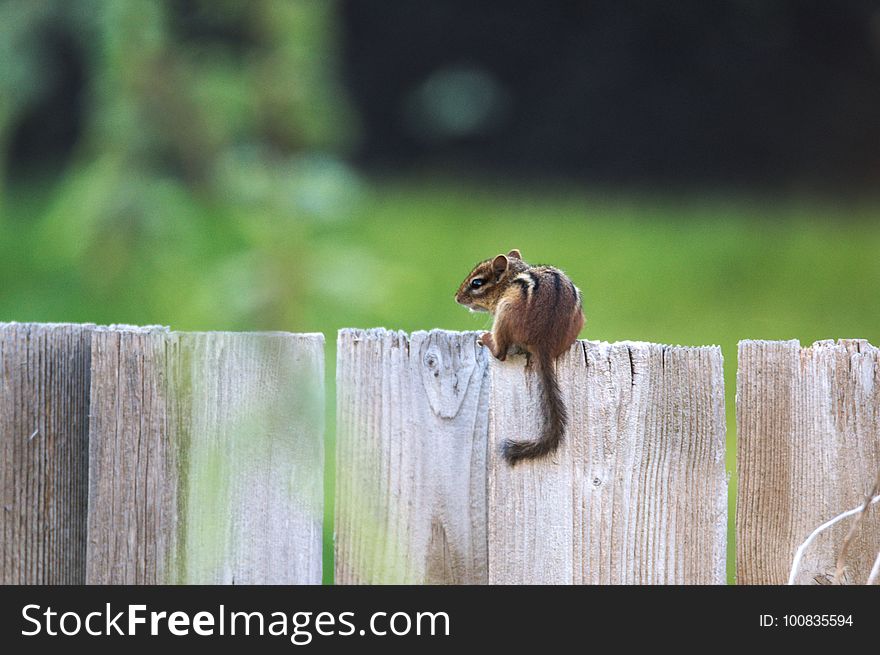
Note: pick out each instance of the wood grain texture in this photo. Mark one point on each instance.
(636, 494)
(206, 458)
(44, 406)
(808, 423)
(412, 417)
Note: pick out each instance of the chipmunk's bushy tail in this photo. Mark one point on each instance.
(555, 417)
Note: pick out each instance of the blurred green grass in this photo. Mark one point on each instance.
(391, 252)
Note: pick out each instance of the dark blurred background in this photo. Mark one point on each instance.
(705, 172)
(774, 94)
(733, 93)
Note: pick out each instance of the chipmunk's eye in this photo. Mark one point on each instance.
(477, 282)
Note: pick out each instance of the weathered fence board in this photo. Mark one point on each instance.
(808, 421)
(412, 417)
(206, 457)
(44, 397)
(636, 494)
(645, 448)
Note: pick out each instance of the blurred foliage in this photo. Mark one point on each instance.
(211, 132)
(207, 188)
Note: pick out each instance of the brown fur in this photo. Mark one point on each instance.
(537, 309)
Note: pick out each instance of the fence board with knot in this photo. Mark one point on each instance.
(412, 424)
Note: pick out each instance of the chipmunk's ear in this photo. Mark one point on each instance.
(514, 254)
(499, 264)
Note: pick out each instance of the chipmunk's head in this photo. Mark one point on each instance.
(484, 286)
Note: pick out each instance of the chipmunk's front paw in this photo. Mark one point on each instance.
(486, 340)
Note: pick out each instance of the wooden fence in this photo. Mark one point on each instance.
(143, 456)
(140, 455)
(808, 448)
(636, 494)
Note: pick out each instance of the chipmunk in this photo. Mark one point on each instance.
(537, 309)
